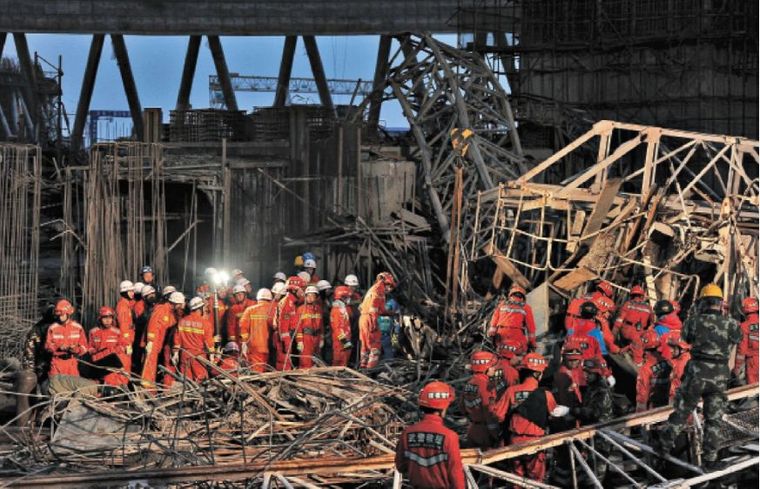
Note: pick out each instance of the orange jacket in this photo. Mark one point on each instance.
(255, 326)
(160, 320)
(678, 366)
(232, 319)
(428, 454)
(105, 341)
(505, 375)
(477, 399)
(340, 325)
(635, 316)
(309, 322)
(374, 301)
(514, 396)
(513, 319)
(125, 316)
(195, 334)
(65, 342)
(286, 318)
(139, 308)
(652, 382)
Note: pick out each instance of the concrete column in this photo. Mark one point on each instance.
(133, 98)
(312, 51)
(286, 67)
(222, 72)
(88, 85)
(188, 73)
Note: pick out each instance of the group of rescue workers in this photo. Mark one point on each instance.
(506, 402)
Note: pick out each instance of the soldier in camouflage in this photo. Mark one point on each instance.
(711, 336)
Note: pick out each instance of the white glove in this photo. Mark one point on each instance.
(560, 411)
(244, 350)
(175, 358)
(611, 381)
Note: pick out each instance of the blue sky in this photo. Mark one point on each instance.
(157, 66)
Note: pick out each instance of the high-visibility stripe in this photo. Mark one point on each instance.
(187, 329)
(426, 461)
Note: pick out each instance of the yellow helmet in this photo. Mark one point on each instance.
(711, 290)
(298, 261)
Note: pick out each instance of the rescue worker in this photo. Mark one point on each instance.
(526, 409)
(310, 267)
(147, 277)
(635, 317)
(504, 374)
(125, 307)
(279, 290)
(390, 327)
(325, 291)
(586, 329)
(166, 292)
(65, 341)
(246, 284)
(678, 357)
(193, 339)
(597, 397)
(653, 378)
(667, 321)
(427, 452)
(255, 328)
(35, 364)
(279, 277)
(371, 308)
(340, 327)
(601, 296)
(237, 275)
(229, 361)
(513, 319)
(149, 299)
(746, 367)
(309, 328)
(164, 317)
(478, 395)
(711, 336)
(565, 387)
(106, 339)
(240, 302)
(139, 307)
(286, 320)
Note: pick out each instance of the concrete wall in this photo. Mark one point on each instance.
(228, 17)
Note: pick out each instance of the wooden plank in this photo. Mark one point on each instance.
(505, 266)
(602, 207)
(575, 231)
(575, 278)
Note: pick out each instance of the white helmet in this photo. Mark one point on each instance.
(304, 276)
(280, 276)
(139, 287)
(351, 280)
(310, 263)
(147, 290)
(264, 295)
(279, 288)
(177, 298)
(237, 272)
(196, 303)
(210, 272)
(323, 285)
(311, 289)
(238, 289)
(168, 290)
(126, 286)
(243, 282)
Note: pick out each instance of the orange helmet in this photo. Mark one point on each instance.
(386, 278)
(593, 365)
(106, 311)
(650, 340)
(749, 305)
(534, 362)
(62, 307)
(436, 395)
(481, 361)
(342, 292)
(295, 283)
(605, 288)
(637, 290)
(673, 338)
(517, 290)
(510, 349)
(573, 348)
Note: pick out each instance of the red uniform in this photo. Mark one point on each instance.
(125, 314)
(232, 319)
(504, 376)
(521, 428)
(371, 308)
(228, 364)
(674, 325)
(590, 348)
(255, 327)
(107, 340)
(604, 305)
(139, 308)
(652, 382)
(309, 333)
(513, 320)
(428, 454)
(340, 328)
(677, 369)
(160, 321)
(747, 352)
(286, 320)
(65, 342)
(194, 339)
(477, 398)
(635, 316)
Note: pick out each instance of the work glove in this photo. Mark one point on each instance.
(299, 346)
(395, 343)
(321, 344)
(175, 357)
(347, 345)
(149, 347)
(212, 358)
(244, 350)
(560, 411)
(611, 381)
(128, 350)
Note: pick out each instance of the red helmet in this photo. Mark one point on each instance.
(650, 340)
(386, 278)
(106, 311)
(342, 292)
(481, 361)
(594, 365)
(573, 347)
(295, 283)
(637, 290)
(749, 305)
(605, 288)
(673, 338)
(62, 307)
(436, 395)
(534, 362)
(517, 290)
(510, 349)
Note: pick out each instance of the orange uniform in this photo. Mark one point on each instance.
(604, 305)
(222, 311)
(635, 316)
(255, 327)
(309, 333)
(286, 320)
(232, 319)
(513, 320)
(652, 382)
(747, 352)
(504, 376)
(477, 398)
(125, 315)
(340, 328)
(161, 320)
(195, 339)
(590, 347)
(65, 342)
(528, 415)
(371, 308)
(109, 340)
(428, 453)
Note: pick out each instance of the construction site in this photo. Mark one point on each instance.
(555, 155)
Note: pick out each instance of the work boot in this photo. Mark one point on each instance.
(714, 465)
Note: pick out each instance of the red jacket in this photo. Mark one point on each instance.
(428, 454)
(255, 326)
(232, 318)
(652, 382)
(65, 342)
(309, 323)
(286, 318)
(195, 334)
(505, 375)
(748, 346)
(513, 319)
(604, 304)
(515, 395)
(374, 301)
(678, 366)
(635, 316)
(105, 341)
(477, 398)
(125, 316)
(340, 325)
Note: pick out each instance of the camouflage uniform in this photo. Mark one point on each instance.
(597, 402)
(711, 336)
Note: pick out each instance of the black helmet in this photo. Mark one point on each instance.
(589, 310)
(663, 308)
